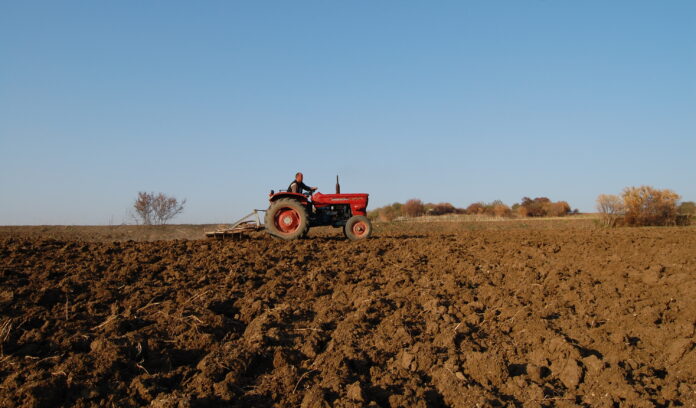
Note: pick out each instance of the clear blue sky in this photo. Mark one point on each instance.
(457, 101)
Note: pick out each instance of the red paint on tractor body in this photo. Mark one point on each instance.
(357, 202)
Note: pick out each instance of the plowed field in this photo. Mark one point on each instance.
(516, 317)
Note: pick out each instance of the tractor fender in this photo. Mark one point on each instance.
(284, 194)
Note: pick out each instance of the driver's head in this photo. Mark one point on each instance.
(298, 177)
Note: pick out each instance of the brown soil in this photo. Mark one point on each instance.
(103, 233)
(516, 317)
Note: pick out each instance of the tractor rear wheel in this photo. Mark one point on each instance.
(357, 227)
(287, 219)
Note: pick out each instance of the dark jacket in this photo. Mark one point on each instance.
(298, 187)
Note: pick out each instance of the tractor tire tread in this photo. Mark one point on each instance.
(348, 228)
(283, 203)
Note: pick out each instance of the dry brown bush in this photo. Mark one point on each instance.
(535, 207)
(610, 208)
(497, 208)
(542, 207)
(687, 208)
(557, 209)
(521, 211)
(476, 209)
(501, 210)
(494, 209)
(413, 208)
(440, 209)
(646, 205)
(386, 213)
(686, 211)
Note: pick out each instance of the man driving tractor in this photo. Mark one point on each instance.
(297, 186)
(291, 214)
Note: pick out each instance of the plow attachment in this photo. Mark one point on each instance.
(249, 223)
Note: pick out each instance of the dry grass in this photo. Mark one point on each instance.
(488, 218)
(107, 233)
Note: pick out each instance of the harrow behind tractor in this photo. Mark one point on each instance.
(290, 215)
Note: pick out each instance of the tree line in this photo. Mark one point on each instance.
(527, 207)
(635, 206)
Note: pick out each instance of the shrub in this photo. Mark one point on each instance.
(683, 220)
(535, 207)
(521, 211)
(686, 211)
(541, 207)
(687, 208)
(413, 208)
(501, 210)
(494, 209)
(610, 208)
(557, 209)
(440, 209)
(476, 209)
(156, 209)
(386, 213)
(646, 205)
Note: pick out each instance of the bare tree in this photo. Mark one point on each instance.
(157, 209)
(610, 208)
(143, 208)
(165, 208)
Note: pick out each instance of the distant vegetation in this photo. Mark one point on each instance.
(156, 209)
(542, 207)
(644, 206)
(537, 207)
(494, 209)
(610, 209)
(687, 208)
(635, 206)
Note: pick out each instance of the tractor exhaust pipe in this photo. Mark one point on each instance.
(338, 186)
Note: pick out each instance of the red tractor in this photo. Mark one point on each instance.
(291, 215)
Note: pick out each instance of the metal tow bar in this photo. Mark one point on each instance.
(249, 223)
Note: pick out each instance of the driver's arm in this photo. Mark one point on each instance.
(303, 186)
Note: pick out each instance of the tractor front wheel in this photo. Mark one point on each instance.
(287, 219)
(357, 227)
